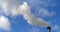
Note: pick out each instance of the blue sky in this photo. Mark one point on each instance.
(48, 10)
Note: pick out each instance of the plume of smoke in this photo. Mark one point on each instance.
(8, 5)
(31, 19)
(24, 10)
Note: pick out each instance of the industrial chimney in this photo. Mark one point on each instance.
(49, 29)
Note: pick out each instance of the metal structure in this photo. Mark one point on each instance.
(49, 29)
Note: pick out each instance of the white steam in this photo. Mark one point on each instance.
(31, 19)
(15, 8)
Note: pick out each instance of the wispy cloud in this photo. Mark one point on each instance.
(55, 28)
(41, 3)
(41, 7)
(45, 13)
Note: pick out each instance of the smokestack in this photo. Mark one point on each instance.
(49, 29)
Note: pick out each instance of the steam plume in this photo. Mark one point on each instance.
(24, 10)
(31, 19)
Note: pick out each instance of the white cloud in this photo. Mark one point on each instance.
(41, 3)
(45, 13)
(41, 7)
(0, 2)
(4, 23)
(4, 5)
(55, 27)
(8, 5)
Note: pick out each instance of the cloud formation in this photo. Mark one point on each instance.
(41, 7)
(4, 23)
(55, 28)
(45, 13)
(8, 5)
(41, 3)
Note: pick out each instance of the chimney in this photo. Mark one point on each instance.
(49, 29)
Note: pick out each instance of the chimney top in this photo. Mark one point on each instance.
(48, 27)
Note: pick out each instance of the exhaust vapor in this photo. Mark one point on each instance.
(15, 8)
(31, 19)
